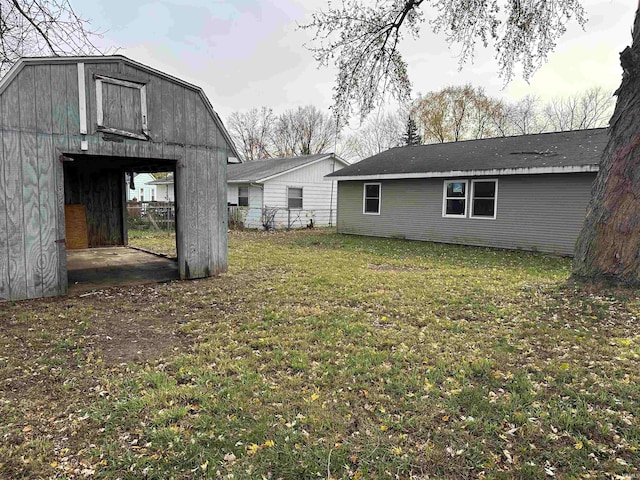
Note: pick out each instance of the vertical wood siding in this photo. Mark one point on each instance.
(100, 191)
(534, 212)
(4, 230)
(39, 119)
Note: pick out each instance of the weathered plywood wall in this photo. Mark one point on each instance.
(100, 191)
(40, 119)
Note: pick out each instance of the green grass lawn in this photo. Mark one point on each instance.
(163, 242)
(327, 356)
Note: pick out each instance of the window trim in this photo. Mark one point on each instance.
(248, 195)
(99, 80)
(495, 198)
(364, 198)
(445, 198)
(301, 198)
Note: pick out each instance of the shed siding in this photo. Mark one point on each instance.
(534, 212)
(40, 119)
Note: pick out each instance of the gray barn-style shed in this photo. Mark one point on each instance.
(526, 192)
(69, 130)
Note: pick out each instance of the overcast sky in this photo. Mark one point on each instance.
(250, 53)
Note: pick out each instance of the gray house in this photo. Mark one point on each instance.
(527, 192)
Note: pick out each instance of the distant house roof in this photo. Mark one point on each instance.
(168, 180)
(560, 152)
(257, 171)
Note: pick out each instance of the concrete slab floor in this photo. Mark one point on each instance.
(96, 268)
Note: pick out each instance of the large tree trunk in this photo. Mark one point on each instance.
(608, 247)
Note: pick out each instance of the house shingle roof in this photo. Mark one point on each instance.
(578, 150)
(257, 170)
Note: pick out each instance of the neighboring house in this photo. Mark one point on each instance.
(528, 192)
(143, 191)
(164, 190)
(294, 186)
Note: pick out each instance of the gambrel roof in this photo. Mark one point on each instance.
(558, 152)
(22, 62)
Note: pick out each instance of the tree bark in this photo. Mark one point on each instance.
(608, 248)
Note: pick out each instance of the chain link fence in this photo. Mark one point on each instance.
(274, 218)
(161, 216)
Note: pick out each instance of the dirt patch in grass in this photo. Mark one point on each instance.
(128, 337)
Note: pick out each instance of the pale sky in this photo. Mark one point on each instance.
(250, 53)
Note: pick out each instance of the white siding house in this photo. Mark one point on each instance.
(293, 189)
(250, 209)
(164, 191)
(142, 191)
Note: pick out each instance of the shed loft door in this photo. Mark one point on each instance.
(121, 107)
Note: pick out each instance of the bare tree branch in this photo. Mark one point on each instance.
(363, 38)
(42, 27)
(301, 131)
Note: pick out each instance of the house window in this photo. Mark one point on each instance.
(371, 200)
(484, 196)
(121, 107)
(455, 199)
(243, 196)
(294, 198)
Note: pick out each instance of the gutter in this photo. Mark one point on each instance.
(469, 173)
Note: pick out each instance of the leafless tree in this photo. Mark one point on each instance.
(379, 133)
(251, 132)
(525, 116)
(42, 27)
(298, 131)
(588, 109)
(302, 131)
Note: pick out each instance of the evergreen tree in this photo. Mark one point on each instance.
(411, 136)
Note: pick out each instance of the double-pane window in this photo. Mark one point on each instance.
(483, 198)
(371, 202)
(243, 196)
(455, 198)
(294, 198)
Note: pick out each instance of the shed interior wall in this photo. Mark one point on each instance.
(100, 191)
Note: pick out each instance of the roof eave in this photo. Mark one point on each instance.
(289, 170)
(470, 173)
